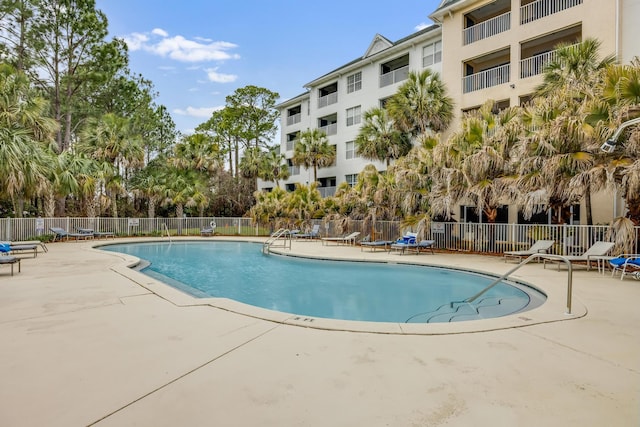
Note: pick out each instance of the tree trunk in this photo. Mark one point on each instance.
(587, 203)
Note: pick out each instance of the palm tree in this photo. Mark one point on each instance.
(481, 155)
(304, 204)
(273, 167)
(379, 139)
(312, 150)
(570, 82)
(26, 139)
(421, 104)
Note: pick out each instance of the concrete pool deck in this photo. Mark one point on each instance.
(86, 341)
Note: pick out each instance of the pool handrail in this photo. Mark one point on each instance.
(524, 262)
(283, 234)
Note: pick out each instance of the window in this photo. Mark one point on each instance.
(350, 148)
(432, 54)
(352, 179)
(353, 116)
(354, 82)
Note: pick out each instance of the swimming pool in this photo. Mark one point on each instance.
(364, 291)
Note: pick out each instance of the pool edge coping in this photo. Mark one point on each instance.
(549, 312)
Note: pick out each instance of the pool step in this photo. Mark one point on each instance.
(484, 308)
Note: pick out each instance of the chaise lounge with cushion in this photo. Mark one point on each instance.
(413, 245)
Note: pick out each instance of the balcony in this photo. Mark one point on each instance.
(486, 79)
(486, 29)
(540, 8)
(537, 53)
(332, 98)
(293, 119)
(327, 191)
(535, 65)
(290, 145)
(330, 129)
(394, 76)
(294, 170)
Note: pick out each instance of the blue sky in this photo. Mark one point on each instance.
(196, 52)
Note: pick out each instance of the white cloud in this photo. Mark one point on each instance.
(179, 48)
(136, 41)
(159, 32)
(216, 77)
(421, 26)
(197, 112)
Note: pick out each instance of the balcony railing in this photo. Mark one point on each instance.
(332, 98)
(327, 191)
(290, 145)
(293, 119)
(534, 65)
(331, 129)
(488, 28)
(541, 8)
(485, 79)
(294, 170)
(394, 76)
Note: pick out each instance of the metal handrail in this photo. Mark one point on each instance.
(167, 229)
(281, 233)
(517, 267)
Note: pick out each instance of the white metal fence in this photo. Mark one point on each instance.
(471, 237)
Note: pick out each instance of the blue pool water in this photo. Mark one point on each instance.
(376, 292)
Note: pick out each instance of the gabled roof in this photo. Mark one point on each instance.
(446, 6)
(377, 44)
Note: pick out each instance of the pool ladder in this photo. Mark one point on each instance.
(281, 238)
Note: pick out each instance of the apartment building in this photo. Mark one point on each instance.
(483, 49)
(336, 101)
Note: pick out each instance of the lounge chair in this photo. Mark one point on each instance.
(597, 250)
(42, 245)
(377, 244)
(403, 247)
(61, 233)
(345, 240)
(10, 260)
(208, 231)
(96, 234)
(10, 248)
(313, 234)
(539, 247)
(627, 265)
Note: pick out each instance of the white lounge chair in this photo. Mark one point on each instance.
(539, 247)
(598, 249)
(345, 240)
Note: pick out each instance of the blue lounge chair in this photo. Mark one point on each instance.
(412, 245)
(13, 249)
(627, 265)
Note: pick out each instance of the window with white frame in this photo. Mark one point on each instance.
(350, 148)
(353, 116)
(432, 54)
(352, 179)
(354, 82)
